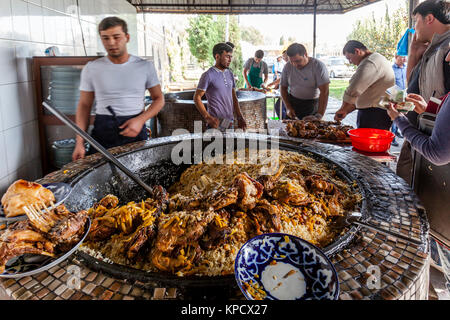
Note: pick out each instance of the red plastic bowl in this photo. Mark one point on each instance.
(371, 140)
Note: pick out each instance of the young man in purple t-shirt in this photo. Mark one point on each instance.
(218, 84)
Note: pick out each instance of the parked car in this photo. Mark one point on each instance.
(338, 67)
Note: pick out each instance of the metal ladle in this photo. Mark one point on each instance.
(353, 218)
(97, 146)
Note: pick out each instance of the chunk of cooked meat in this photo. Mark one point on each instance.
(69, 230)
(23, 193)
(181, 259)
(181, 228)
(222, 198)
(128, 218)
(269, 181)
(179, 202)
(102, 228)
(290, 192)
(159, 198)
(144, 234)
(109, 201)
(317, 183)
(19, 239)
(217, 231)
(249, 191)
(265, 217)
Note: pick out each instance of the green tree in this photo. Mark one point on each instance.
(381, 35)
(252, 35)
(204, 32)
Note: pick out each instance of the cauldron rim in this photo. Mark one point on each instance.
(172, 97)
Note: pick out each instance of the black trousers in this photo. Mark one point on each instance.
(304, 108)
(374, 118)
(106, 132)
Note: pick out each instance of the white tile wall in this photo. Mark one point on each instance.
(27, 27)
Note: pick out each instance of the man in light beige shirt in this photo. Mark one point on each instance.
(373, 76)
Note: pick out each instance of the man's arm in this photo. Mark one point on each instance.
(345, 109)
(132, 127)
(82, 118)
(285, 97)
(266, 78)
(323, 102)
(212, 121)
(245, 74)
(323, 99)
(242, 124)
(416, 52)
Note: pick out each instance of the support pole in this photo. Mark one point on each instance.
(227, 29)
(315, 29)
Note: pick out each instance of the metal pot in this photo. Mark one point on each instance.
(153, 164)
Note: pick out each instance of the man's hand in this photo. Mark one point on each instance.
(419, 102)
(417, 47)
(79, 152)
(212, 121)
(131, 128)
(392, 112)
(314, 117)
(242, 124)
(291, 114)
(340, 114)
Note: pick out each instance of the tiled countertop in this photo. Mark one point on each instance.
(404, 268)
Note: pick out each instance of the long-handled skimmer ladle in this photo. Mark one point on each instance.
(353, 218)
(97, 146)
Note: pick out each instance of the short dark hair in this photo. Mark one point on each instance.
(231, 44)
(296, 48)
(110, 22)
(259, 54)
(220, 48)
(440, 9)
(352, 45)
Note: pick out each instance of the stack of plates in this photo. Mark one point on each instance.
(64, 90)
(62, 151)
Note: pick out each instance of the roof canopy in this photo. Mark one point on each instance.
(249, 6)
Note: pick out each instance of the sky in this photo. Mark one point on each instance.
(331, 29)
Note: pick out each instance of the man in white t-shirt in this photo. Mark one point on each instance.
(117, 82)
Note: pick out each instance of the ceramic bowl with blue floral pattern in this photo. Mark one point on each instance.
(277, 266)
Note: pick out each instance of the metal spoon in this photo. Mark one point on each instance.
(97, 146)
(353, 218)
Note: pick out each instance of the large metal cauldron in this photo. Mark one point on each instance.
(153, 164)
(180, 112)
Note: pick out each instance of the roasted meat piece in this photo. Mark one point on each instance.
(222, 198)
(23, 193)
(181, 259)
(19, 239)
(181, 228)
(317, 183)
(249, 191)
(290, 192)
(68, 231)
(217, 231)
(144, 234)
(109, 201)
(102, 228)
(265, 217)
(269, 181)
(180, 203)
